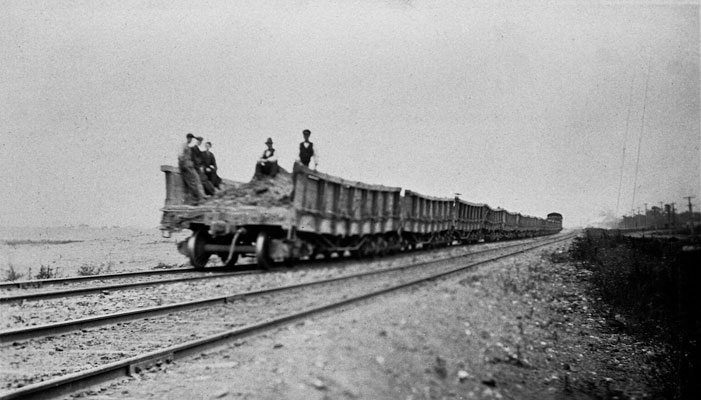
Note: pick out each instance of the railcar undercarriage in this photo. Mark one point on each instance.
(270, 244)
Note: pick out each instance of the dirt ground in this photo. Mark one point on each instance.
(522, 328)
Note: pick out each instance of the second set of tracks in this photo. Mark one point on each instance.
(28, 290)
(181, 331)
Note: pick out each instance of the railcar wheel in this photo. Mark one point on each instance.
(381, 246)
(393, 245)
(368, 249)
(262, 246)
(314, 254)
(195, 247)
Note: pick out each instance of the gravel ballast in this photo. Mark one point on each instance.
(520, 328)
(71, 353)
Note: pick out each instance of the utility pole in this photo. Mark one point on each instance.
(688, 198)
(645, 215)
(691, 213)
(674, 222)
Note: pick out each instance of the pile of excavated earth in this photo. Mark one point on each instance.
(260, 191)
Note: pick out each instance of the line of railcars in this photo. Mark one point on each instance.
(329, 215)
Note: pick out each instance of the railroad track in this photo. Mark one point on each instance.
(194, 275)
(117, 286)
(242, 325)
(72, 279)
(42, 312)
(54, 328)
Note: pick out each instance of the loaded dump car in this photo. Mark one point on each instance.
(306, 213)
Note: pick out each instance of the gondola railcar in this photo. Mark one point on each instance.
(468, 221)
(426, 221)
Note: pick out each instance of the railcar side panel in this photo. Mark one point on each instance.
(328, 205)
(468, 220)
(175, 192)
(510, 221)
(495, 220)
(426, 215)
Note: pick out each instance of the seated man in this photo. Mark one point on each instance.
(210, 166)
(198, 158)
(267, 163)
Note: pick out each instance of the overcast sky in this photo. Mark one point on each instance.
(524, 107)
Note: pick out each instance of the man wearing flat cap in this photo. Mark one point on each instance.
(191, 178)
(307, 151)
(267, 163)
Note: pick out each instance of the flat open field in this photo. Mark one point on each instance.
(67, 250)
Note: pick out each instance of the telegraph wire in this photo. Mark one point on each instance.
(625, 142)
(642, 126)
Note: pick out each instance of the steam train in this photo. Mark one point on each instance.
(326, 215)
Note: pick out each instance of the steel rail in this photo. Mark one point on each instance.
(119, 286)
(54, 281)
(127, 367)
(52, 329)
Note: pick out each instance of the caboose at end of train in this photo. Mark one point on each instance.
(323, 215)
(554, 222)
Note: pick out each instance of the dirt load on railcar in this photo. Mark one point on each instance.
(265, 192)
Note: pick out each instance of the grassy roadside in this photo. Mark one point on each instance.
(650, 287)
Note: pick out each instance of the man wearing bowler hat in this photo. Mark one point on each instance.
(307, 151)
(267, 163)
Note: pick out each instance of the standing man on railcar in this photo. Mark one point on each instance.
(307, 151)
(190, 175)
